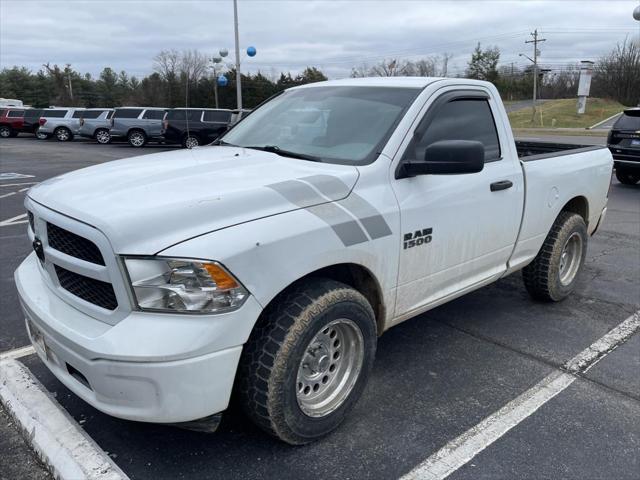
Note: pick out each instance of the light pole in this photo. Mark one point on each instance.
(238, 76)
(251, 51)
(216, 61)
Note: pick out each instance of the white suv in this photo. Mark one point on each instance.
(62, 123)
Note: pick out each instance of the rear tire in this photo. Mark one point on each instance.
(552, 275)
(308, 360)
(41, 136)
(190, 141)
(63, 134)
(627, 177)
(137, 138)
(5, 132)
(102, 136)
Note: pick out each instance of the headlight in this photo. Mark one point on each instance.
(180, 285)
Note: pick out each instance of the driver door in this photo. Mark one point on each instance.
(458, 229)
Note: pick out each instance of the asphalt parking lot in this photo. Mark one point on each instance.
(436, 376)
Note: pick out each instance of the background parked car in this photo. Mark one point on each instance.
(137, 124)
(95, 123)
(191, 127)
(624, 143)
(11, 121)
(62, 123)
(31, 120)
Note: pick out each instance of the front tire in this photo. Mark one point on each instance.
(102, 136)
(137, 138)
(63, 134)
(626, 177)
(5, 132)
(552, 275)
(308, 360)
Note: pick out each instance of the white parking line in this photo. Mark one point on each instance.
(14, 176)
(461, 450)
(18, 219)
(17, 352)
(7, 194)
(56, 437)
(17, 184)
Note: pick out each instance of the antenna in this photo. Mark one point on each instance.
(186, 107)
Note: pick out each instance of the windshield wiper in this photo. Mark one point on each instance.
(285, 153)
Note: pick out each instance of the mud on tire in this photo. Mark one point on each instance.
(543, 276)
(268, 387)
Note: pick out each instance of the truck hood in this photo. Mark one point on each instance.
(148, 203)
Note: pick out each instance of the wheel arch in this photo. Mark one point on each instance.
(136, 129)
(357, 276)
(578, 205)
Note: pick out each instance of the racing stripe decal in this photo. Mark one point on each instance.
(332, 187)
(370, 218)
(302, 195)
(329, 186)
(347, 229)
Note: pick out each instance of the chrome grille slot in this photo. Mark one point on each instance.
(88, 289)
(74, 245)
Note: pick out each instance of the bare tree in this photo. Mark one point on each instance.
(425, 67)
(166, 64)
(617, 75)
(193, 64)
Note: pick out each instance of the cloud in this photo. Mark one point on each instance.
(289, 35)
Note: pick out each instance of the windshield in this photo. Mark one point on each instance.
(346, 125)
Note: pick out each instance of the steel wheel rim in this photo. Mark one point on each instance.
(103, 137)
(329, 368)
(62, 135)
(570, 258)
(191, 142)
(137, 140)
(5, 132)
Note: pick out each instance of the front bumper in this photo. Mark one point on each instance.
(148, 367)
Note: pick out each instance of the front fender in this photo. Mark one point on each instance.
(269, 254)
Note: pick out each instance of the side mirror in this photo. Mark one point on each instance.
(447, 157)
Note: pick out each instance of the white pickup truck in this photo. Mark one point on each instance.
(270, 263)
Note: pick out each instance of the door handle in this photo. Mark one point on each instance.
(501, 185)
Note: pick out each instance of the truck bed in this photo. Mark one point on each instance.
(533, 150)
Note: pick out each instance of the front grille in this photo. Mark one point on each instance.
(88, 289)
(74, 245)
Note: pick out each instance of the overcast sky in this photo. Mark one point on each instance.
(333, 35)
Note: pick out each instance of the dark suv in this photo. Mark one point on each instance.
(624, 143)
(191, 127)
(31, 120)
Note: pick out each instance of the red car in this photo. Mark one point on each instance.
(11, 122)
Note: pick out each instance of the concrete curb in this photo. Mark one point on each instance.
(63, 446)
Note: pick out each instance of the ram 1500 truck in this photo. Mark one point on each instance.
(270, 262)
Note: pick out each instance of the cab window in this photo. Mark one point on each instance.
(462, 119)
